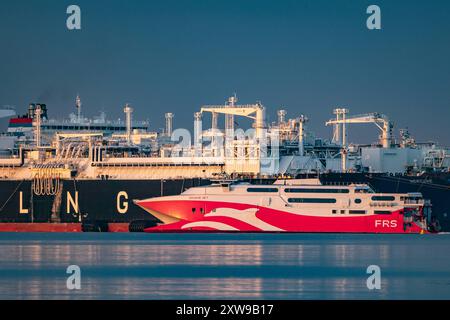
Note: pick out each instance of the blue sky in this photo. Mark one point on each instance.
(306, 56)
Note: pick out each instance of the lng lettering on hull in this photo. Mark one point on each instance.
(288, 206)
(72, 203)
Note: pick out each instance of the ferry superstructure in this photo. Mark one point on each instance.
(288, 206)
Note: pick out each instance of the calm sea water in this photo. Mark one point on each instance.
(224, 266)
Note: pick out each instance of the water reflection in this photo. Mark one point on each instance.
(224, 266)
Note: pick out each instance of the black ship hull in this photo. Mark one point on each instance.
(112, 200)
(85, 200)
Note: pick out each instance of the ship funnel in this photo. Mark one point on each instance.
(128, 111)
(260, 121)
(169, 124)
(32, 110)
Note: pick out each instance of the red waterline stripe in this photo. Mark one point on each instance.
(55, 227)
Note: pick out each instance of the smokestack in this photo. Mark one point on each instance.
(260, 120)
(128, 111)
(169, 124)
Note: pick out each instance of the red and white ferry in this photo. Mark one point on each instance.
(288, 206)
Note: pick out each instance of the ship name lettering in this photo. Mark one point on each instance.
(71, 202)
(386, 223)
(122, 207)
(21, 208)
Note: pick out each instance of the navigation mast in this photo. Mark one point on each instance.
(78, 106)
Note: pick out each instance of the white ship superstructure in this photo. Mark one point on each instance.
(90, 149)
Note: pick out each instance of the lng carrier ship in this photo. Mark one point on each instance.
(84, 174)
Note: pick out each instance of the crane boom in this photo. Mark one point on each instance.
(243, 111)
(380, 120)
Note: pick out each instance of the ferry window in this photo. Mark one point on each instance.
(334, 211)
(201, 210)
(311, 200)
(193, 210)
(358, 201)
(411, 199)
(382, 212)
(383, 198)
(357, 211)
(308, 190)
(342, 211)
(262, 190)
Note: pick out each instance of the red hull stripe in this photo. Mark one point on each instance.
(55, 227)
(267, 219)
